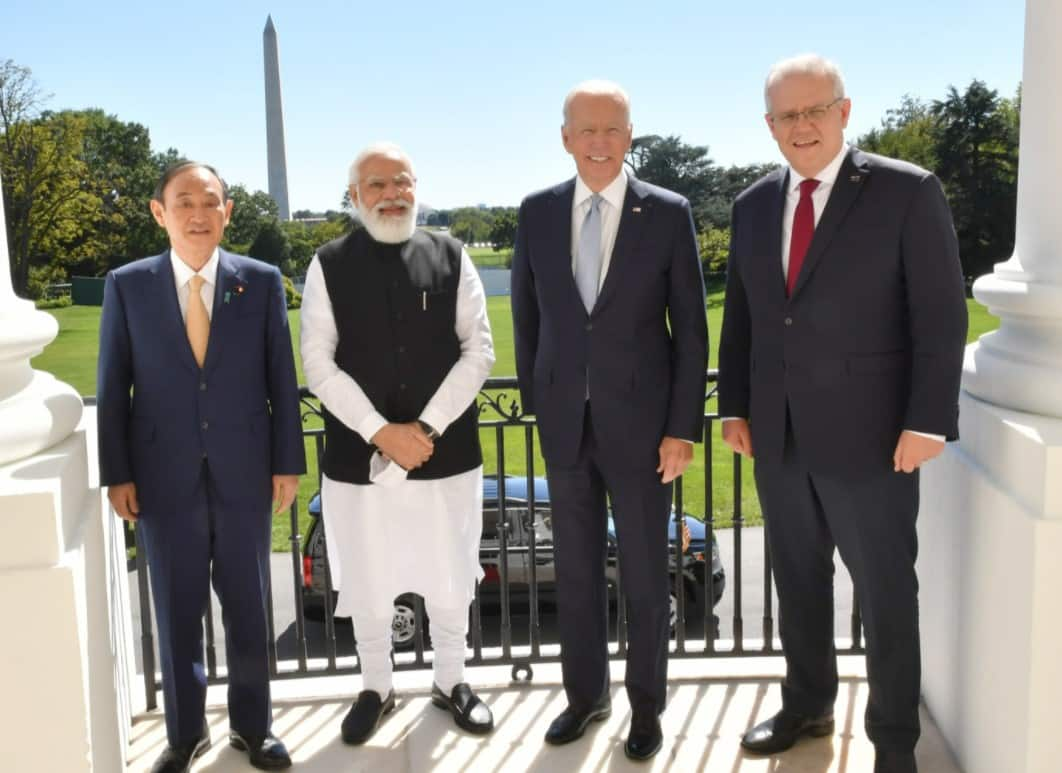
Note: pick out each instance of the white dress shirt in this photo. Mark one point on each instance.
(183, 273)
(612, 196)
(342, 395)
(827, 177)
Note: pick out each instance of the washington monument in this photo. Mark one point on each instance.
(278, 165)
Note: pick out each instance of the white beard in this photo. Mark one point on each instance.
(389, 229)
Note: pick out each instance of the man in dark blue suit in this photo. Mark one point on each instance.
(839, 367)
(199, 428)
(611, 350)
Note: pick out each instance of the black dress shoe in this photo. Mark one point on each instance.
(888, 761)
(645, 738)
(267, 754)
(571, 723)
(470, 713)
(782, 731)
(364, 716)
(179, 760)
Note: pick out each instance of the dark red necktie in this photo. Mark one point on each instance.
(803, 230)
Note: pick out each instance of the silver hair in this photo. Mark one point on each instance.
(598, 88)
(376, 149)
(805, 64)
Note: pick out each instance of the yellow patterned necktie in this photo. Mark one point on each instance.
(196, 322)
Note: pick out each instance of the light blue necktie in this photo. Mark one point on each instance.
(588, 259)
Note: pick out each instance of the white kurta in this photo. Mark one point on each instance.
(420, 536)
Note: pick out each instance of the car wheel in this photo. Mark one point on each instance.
(404, 623)
(694, 603)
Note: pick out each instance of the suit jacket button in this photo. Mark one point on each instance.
(788, 321)
(205, 425)
(589, 326)
(202, 386)
(402, 386)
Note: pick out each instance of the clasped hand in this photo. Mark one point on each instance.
(405, 444)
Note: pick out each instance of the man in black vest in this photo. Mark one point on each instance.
(396, 345)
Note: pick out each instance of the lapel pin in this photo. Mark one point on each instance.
(636, 209)
(238, 289)
(855, 178)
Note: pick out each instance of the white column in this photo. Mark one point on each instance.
(36, 410)
(1020, 365)
(65, 646)
(990, 525)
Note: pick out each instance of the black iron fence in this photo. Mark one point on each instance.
(516, 553)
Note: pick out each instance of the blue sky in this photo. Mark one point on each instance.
(473, 90)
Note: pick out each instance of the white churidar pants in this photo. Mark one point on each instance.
(421, 536)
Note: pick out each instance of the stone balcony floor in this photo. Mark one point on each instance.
(710, 704)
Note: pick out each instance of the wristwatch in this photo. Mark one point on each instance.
(429, 430)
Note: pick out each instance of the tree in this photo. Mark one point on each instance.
(977, 154)
(471, 224)
(970, 141)
(687, 170)
(714, 245)
(503, 231)
(271, 244)
(908, 132)
(41, 171)
(440, 217)
(713, 210)
(250, 213)
(301, 245)
(672, 164)
(122, 172)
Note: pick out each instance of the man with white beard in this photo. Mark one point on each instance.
(396, 345)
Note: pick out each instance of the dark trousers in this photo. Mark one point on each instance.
(640, 509)
(201, 539)
(871, 521)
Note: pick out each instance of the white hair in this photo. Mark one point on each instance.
(598, 88)
(805, 64)
(373, 150)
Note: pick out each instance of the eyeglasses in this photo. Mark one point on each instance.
(403, 182)
(813, 114)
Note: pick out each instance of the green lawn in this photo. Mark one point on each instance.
(72, 358)
(486, 256)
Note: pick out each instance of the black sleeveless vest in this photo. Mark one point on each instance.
(395, 306)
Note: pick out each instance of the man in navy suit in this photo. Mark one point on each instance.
(199, 428)
(611, 350)
(839, 367)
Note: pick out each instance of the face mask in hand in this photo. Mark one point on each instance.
(384, 472)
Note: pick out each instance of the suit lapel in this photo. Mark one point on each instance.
(228, 279)
(170, 310)
(774, 233)
(850, 180)
(560, 235)
(637, 209)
